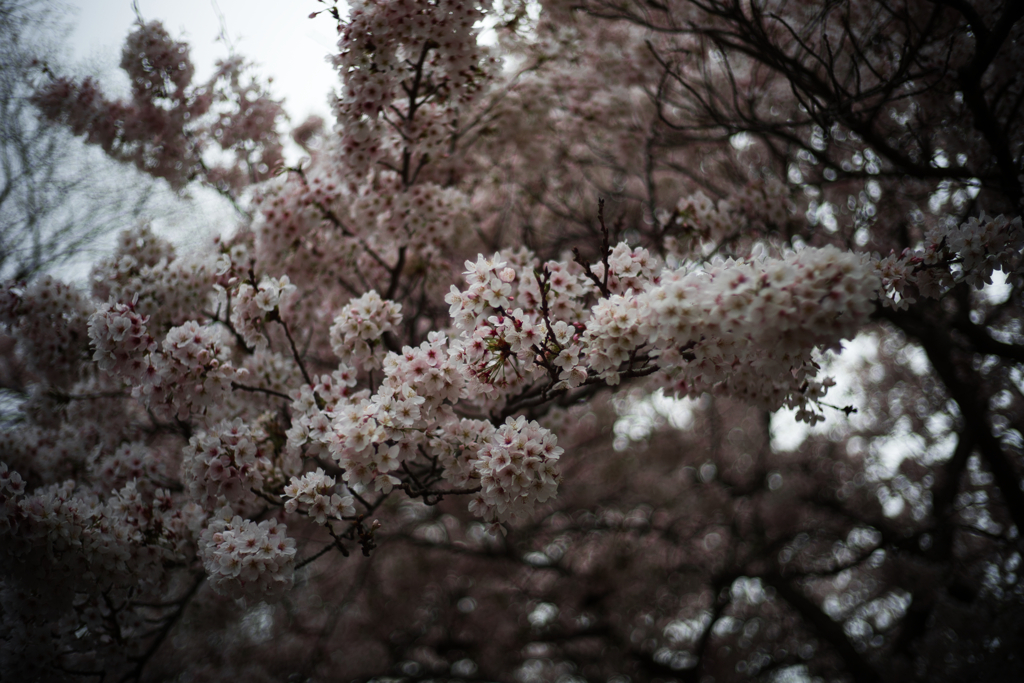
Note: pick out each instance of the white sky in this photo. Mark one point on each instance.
(277, 35)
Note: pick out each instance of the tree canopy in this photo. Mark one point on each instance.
(489, 385)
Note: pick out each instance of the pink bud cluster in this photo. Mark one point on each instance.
(245, 558)
(224, 463)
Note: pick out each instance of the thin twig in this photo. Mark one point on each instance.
(275, 316)
(260, 390)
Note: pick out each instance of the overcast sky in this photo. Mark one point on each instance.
(276, 34)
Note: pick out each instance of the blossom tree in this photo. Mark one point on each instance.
(383, 429)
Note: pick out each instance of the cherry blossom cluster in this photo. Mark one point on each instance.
(986, 244)
(358, 331)
(169, 123)
(136, 248)
(121, 341)
(11, 484)
(500, 351)
(381, 37)
(612, 336)
(488, 287)
(750, 327)
(747, 328)
(511, 348)
(145, 270)
(69, 557)
(514, 279)
(160, 70)
(386, 44)
(898, 277)
(516, 467)
(247, 126)
(697, 213)
(764, 203)
(508, 348)
(457, 442)
(192, 374)
(301, 228)
(131, 461)
(91, 543)
(314, 407)
(52, 451)
(628, 268)
(315, 490)
(969, 252)
(698, 222)
(431, 371)
(420, 173)
(243, 557)
(224, 463)
(271, 370)
(49, 320)
(253, 307)
(371, 436)
(564, 286)
(424, 216)
(188, 374)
